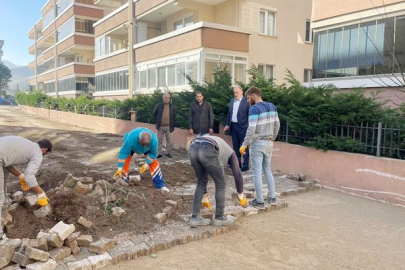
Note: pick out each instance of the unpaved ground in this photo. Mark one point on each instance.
(320, 230)
(86, 153)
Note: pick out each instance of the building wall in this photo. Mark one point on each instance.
(143, 6)
(227, 13)
(116, 61)
(324, 9)
(288, 49)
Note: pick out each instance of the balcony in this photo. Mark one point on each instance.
(75, 68)
(31, 49)
(109, 3)
(75, 40)
(199, 35)
(143, 6)
(31, 65)
(111, 21)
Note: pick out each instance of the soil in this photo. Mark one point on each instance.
(86, 153)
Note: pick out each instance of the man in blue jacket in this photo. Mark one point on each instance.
(141, 141)
(237, 122)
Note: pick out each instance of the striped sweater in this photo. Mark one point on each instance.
(263, 123)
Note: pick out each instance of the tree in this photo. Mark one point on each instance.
(5, 76)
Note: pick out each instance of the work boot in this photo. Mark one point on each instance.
(223, 221)
(199, 221)
(164, 190)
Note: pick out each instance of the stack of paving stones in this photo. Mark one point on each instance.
(305, 184)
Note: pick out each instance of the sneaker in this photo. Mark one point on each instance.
(199, 221)
(164, 190)
(223, 221)
(272, 201)
(256, 204)
(159, 156)
(244, 169)
(243, 202)
(169, 156)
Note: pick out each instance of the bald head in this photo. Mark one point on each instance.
(144, 138)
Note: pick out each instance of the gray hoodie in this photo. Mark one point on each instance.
(16, 151)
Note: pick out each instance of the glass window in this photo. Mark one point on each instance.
(334, 52)
(367, 48)
(62, 5)
(97, 48)
(171, 75)
(400, 45)
(188, 21)
(183, 22)
(385, 46)
(267, 71)
(178, 24)
(320, 54)
(240, 73)
(142, 79)
(180, 74)
(349, 51)
(162, 77)
(48, 18)
(192, 70)
(308, 31)
(307, 75)
(267, 24)
(65, 30)
(152, 78)
(84, 26)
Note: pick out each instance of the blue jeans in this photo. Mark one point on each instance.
(260, 153)
(204, 159)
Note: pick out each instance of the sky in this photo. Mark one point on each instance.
(16, 19)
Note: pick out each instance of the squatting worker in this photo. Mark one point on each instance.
(208, 156)
(14, 151)
(140, 141)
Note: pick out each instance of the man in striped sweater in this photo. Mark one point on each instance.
(262, 131)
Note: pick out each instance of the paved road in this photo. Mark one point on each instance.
(320, 230)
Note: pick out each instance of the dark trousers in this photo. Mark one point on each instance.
(238, 135)
(204, 159)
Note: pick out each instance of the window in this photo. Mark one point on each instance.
(319, 59)
(308, 32)
(162, 77)
(307, 75)
(180, 74)
(65, 30)
(267, 23)
(240, 73)
(171, 75)
(183, 22)
(117, 80)
(152, 78)
(192, 70)
(49, 87)
(267, 71)
(142, 79)
(67, 84)
(84, 26)
(48, 18)
(62, 5)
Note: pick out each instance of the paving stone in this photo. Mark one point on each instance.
(21, 259)
(102, 245)
(49, 265)
(75, 250)
(12, 267)
(63, 230)
(317, 186)
(13, 207)
(171, 203)
(18, 196)
(142, 250)
(43, 211)
(140, 239)
(168, 210)
(70, 181)
(84, 240)
(59, 254)
(38, 243)
(172, 240)
(103, 184)
(118, 211)
(112, 198)
(53, 240)
(84, 264)
(100, 261)
(62, 266)
(73, 236)
(160, 217)
(6, 254)
(84, 222)
(83, 189)
(30, 200)
(72, 244)
(251, 211)
(6, 218)
(187, 196)
(123, 252)
(250, 195)
(86, 180)
(157, 244)
(16, 243)
(97, 192)
(36, 254)
(135, 180)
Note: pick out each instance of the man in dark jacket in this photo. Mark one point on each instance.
(200, 117)
(165, 113)
(237, 122)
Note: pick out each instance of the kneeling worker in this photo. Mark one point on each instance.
(140, 141)
(15, 150)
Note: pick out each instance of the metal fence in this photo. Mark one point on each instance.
(103, 111)
(377, 139)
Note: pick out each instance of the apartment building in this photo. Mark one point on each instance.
(64, 48)
(360, 44)
(1, 51)
(142, 45)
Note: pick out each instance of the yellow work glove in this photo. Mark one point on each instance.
(119, 173)
(242, 150)
(205, 202)
(24, 185)
(242, 200)
(42, 199)
(144, 168)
